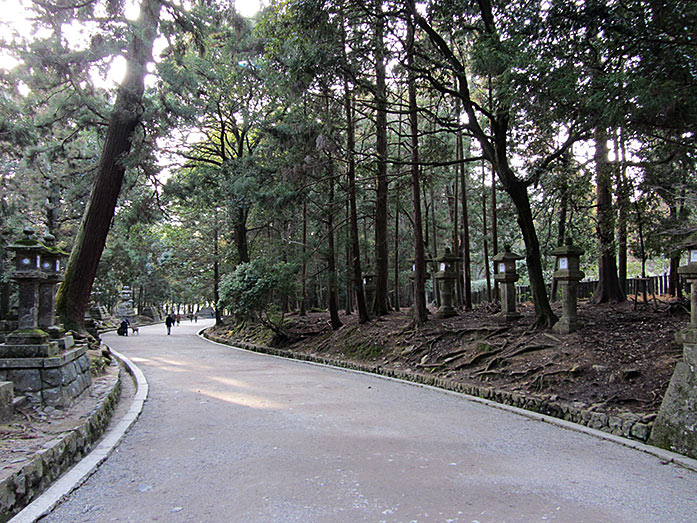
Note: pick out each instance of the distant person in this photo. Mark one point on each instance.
(123, 328)
(179, 319)
(196, 318)
(169, 321)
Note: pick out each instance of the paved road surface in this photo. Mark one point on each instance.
(228, 435)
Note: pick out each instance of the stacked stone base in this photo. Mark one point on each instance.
(54, 381)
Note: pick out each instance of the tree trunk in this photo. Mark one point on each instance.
(240, 228)
(216, 273)
(623, 191)
(397, 304)
(349, 271)
(608, 289)
(303, 298)
(519, 195)
(485, 235)
(494, 230)
(331, 260)
(73, 297)
(363, 316)
(563, 213)
(380, 307)
(420, 312)
(465, 242)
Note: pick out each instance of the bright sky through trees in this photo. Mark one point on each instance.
(13, 19)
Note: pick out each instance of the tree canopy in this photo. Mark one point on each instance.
(286, 158)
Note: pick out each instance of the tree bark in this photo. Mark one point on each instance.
(216, 273)
(363, 316)
(397, 304)
(623, 191)
(73, 297)
(303, 298)
(465, 242)
(331, 260)
(608, 289)
(495, 150)
(420, 312)
(380, 306)
(485, 234)
(240, 229)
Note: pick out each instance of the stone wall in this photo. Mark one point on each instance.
(625, 425)
(54, 381)
(22, 487)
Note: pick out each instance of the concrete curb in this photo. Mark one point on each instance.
(665, 456)
(89, 464)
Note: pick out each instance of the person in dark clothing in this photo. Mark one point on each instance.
(123, 328)
(169, 321)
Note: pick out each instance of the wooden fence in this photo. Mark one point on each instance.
(654, 285)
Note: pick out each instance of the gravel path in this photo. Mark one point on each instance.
(228, 435)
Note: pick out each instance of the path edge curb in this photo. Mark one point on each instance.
(83, 469)
(665, 456)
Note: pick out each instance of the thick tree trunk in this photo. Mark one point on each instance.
(380, 307)
(363, 316)
(608, 289)
(420, 312)
(74, 294)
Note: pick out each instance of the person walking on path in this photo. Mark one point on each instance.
(169, 321)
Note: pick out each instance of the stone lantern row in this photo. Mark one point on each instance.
(568, 274)
(40, 360)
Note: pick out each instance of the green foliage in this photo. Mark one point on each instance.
(253, 289)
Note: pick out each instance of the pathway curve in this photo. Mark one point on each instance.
(228, 435)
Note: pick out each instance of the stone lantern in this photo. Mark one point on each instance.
(674, 427)
(446, 278)
(28, 275)
(51, 267)
(689, 334)
(568, 274)
(507, 275)
(369, 288)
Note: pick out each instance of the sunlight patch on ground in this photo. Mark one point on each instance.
(230, 381)
(243, 400)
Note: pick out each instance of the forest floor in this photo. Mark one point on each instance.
(621, 359)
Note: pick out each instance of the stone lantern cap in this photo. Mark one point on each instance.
(52, 256)
(568, 262)
(28, 253)
(690, 270)
(506, 265)
(446, 264)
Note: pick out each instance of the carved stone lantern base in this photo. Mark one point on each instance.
(675, 427)
(445, 312)
(566, 325)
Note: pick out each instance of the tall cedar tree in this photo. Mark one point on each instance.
(74, 294)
